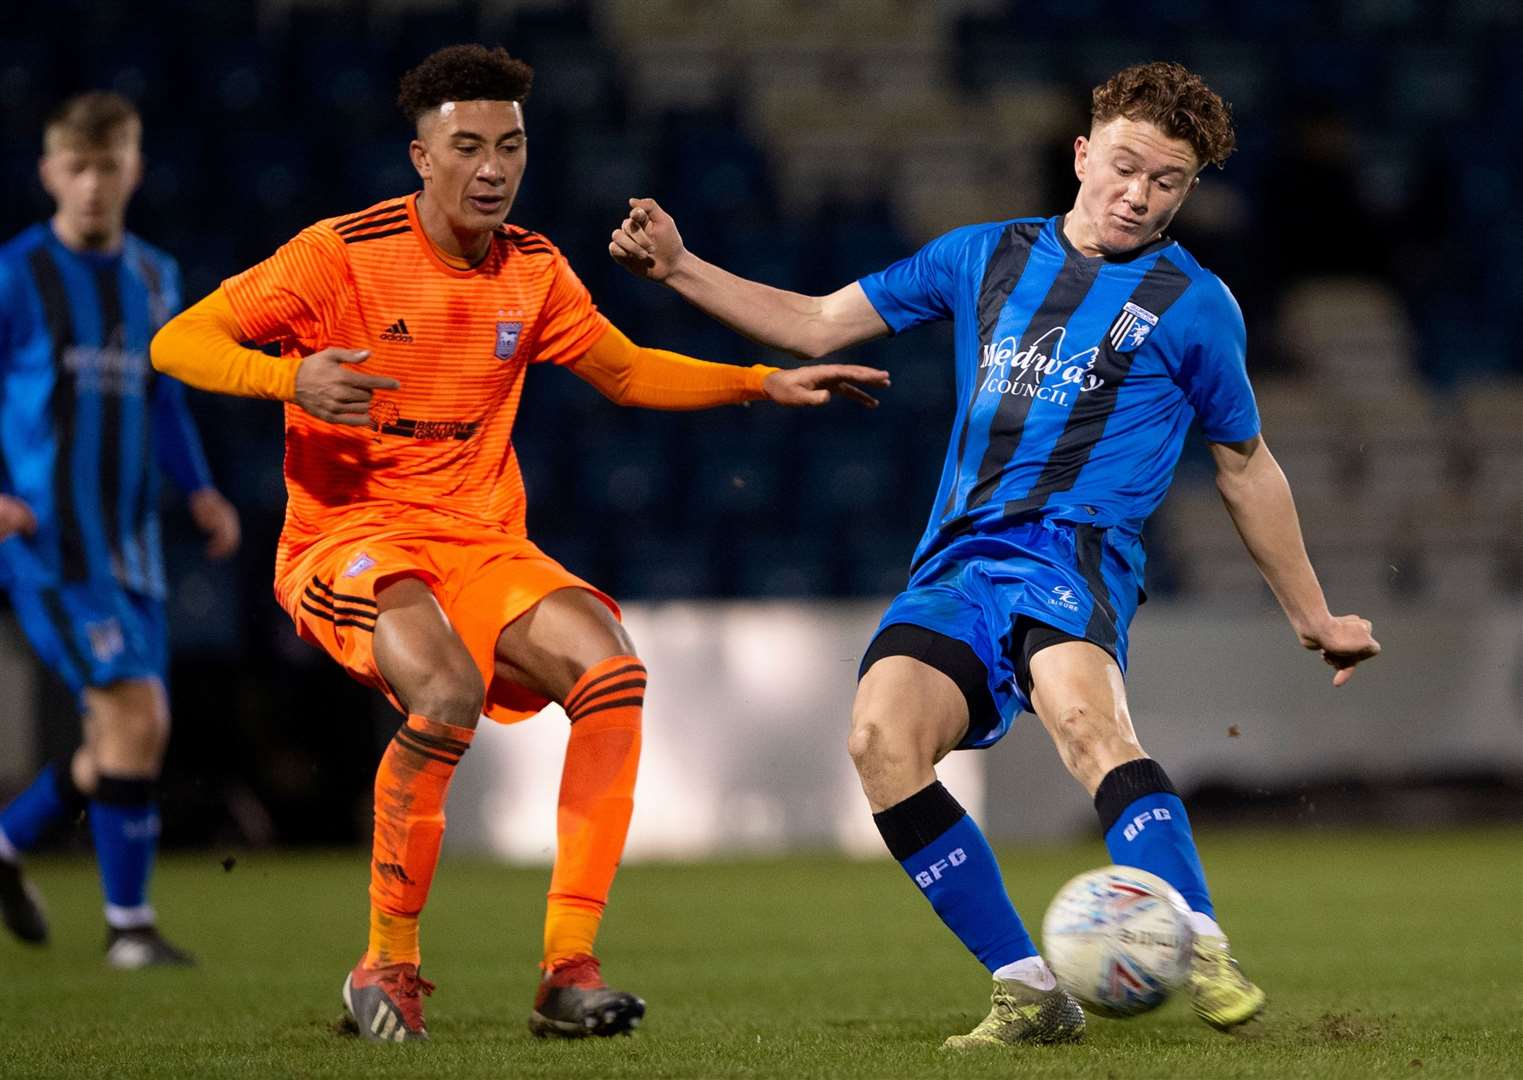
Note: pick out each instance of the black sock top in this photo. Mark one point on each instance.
(1127, 783)
(910, 825)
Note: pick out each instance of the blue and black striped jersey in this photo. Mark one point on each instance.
(83, 415)
(1077, 376)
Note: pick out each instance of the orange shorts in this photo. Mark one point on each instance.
(483, 578)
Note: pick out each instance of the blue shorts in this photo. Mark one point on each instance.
(94, 634)
(1081, 579)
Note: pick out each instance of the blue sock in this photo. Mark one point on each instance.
(945, 853)
(125, 822)
(50, 798)
(1146, 826)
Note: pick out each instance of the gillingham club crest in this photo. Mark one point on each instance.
(1131, 327)
(507, 339)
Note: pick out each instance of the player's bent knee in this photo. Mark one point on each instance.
(878, 744)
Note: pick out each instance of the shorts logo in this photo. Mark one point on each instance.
(358, 565)
(507, 339)
(1063, 597)
(1131, 327)
(107, 641)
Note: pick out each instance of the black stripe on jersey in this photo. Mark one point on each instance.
(527, 242)
(369, 627)
(62, 406)
(1001, 274)
(1089, 549)
(385, 208)
(328, 591)
(360, 237)
(1163, 284)
(113, 333)
(63, 626)
(374, 223)
(1068, 291)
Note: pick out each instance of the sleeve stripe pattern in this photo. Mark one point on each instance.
(397, 206)
(361, 237)
(374, 223)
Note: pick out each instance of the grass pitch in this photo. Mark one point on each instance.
(1384, 955)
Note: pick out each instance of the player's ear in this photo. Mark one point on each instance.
(420, 160)
(1081, 156)
(135, 170)
(45, 173)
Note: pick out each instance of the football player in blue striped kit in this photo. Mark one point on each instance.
(83, 419)
(1085, 346)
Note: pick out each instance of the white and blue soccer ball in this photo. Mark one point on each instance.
(1119, 940)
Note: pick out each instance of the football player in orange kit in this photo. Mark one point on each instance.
(405, 332)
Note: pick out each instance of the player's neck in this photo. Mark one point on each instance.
(469, 247)
(108, 242)
(1080, 234)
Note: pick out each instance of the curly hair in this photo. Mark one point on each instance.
(1175, 99)
(463, 73)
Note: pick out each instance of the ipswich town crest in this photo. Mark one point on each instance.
(507, 339)
(1131, 327)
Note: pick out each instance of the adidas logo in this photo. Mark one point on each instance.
(397, 331)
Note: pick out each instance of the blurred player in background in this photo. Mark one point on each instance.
(404, 553)
(84, 420)
(1085, 345)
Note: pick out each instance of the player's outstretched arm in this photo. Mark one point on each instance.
(627, 374)
(1258, 498)
(202, 347)
(648, 245)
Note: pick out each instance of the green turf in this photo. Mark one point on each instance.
(1384, 955)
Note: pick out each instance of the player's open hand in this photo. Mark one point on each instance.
(1344, 641)
(647, 244)
(16, 517)
(817, 383)
(218, 519)
(331, 389)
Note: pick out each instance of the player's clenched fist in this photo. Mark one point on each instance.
(1344, 641)
(330, 389)
(647, 244)
(15, 517)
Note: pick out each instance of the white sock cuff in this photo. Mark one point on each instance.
(1204, 925)
(130, 918)
(1031, 970)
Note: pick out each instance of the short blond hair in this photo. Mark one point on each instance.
(94, 119)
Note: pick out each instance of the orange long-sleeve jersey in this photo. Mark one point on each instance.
(459, 341)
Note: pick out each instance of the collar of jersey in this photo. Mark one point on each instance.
(1163, 241)
(438, 257)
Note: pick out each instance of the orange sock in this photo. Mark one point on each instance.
(410, 788)
(597, 798)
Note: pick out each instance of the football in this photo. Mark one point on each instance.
(1119, 940)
